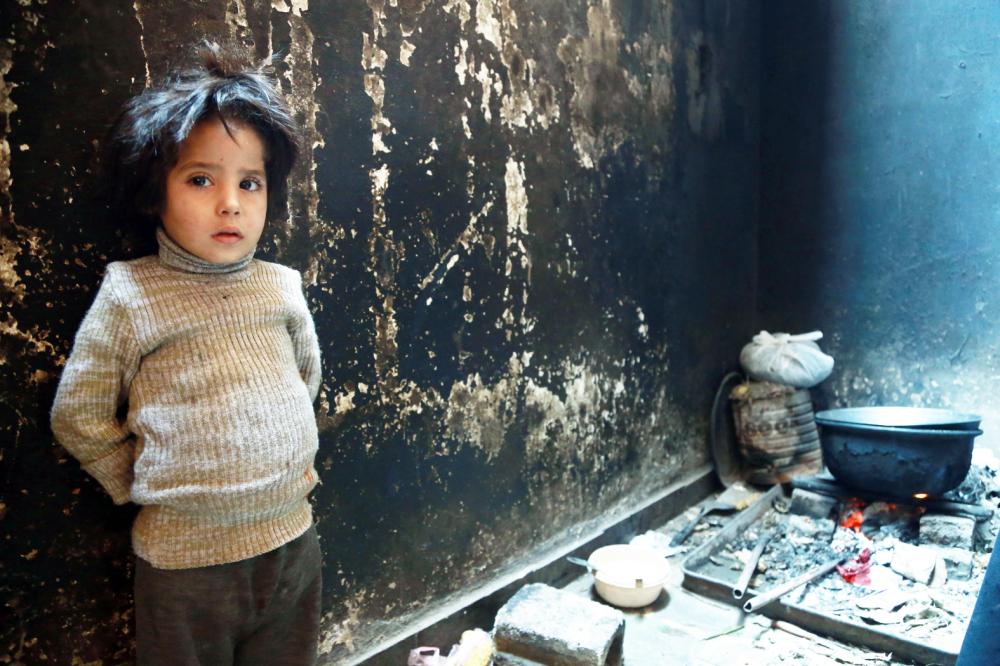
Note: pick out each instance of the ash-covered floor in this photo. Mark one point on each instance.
(686, 628)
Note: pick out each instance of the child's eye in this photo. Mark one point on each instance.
(198, 181)
(250, 184)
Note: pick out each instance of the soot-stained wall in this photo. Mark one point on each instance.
(881, 157)
(528, 233)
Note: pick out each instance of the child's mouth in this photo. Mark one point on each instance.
(227, 237)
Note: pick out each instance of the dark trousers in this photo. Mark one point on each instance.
(263, 610)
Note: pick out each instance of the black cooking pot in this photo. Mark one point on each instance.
(904, 417)
(898, 460)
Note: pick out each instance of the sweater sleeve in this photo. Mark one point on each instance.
(302, 329)
(94, 385)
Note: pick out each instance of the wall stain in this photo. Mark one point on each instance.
(703, 89)
(609, 102)
(479, 408)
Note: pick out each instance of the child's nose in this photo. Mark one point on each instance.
(229, 202)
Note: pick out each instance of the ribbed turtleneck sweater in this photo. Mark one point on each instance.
(189, 391)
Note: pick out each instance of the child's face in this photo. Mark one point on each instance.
(216, 194)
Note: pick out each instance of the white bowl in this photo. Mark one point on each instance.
(628, 576)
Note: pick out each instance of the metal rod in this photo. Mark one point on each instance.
(740, 588)
(684, 533)
(775, 593)
(834, 489)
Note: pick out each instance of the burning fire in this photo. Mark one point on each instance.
(853, 517)
(853, 520)
(856, 571)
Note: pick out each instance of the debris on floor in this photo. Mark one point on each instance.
(474, 649)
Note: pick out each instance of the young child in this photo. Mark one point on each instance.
(190, 386)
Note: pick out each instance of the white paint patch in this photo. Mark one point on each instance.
(406, 50)
(344, 402)
(487, 24)
(380, 180)
(459, 8)
(485, 78)
(480, 415)
(373, 60)
(372, 57)
(35, 337)
(296, 7)
(517, 198)
(469, 237)
(142, 41)
(236, 15)
(630, 95)
(461, 65)
(9, 249)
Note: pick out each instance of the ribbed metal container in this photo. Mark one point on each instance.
(776, 430)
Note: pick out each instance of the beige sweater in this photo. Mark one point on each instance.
(218, 366)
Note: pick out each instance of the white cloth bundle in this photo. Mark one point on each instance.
(795, 360)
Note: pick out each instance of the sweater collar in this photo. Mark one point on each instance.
(175, 256)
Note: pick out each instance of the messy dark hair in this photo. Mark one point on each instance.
(143, 143)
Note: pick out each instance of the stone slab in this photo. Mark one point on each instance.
(943, 530)
(550, 626)
(814, 505)
(958, 560)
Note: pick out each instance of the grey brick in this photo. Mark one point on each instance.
(958, 561)
(504, 659)
(814, 505)
(942, 530)
(559, 628)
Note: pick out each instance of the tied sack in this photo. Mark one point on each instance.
(795, 360)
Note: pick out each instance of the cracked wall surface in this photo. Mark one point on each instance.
(528, 236)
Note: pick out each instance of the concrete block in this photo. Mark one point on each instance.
(550, 626)
(814, 505)
(504, 659)
(942, 530)
(958, 561)
(916, 562)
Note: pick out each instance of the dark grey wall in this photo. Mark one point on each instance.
(529, 235)
(880, 163)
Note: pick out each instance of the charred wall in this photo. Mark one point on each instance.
(878, 203)
(529, 236)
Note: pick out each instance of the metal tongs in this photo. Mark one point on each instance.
(740, 588)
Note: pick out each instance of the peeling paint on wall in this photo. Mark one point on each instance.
(301, 94)
(493, 258)
(481, 415)
(517, 254)
(608, 100)
(137, 8)
(296, 7)
(10, 248)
